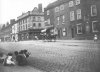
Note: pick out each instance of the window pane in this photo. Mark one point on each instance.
(77, 2)
(39, 24)
(34, 24)
(93, 10)
(79, 29)
(57, 20)
(72, 16)
(57, 9)
(62, 7)
(33, 19)
(48, 12)
(94, 26)
(79, 14)
(71, 3)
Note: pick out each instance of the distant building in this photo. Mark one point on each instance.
(74, 19)
(14, 34)
(5, 32)
(30, 24)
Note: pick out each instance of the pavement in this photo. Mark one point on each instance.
(18, 69)
(60, 56)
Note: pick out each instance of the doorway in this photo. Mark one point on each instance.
(72, 31)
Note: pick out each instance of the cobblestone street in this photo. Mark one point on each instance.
(60, 56)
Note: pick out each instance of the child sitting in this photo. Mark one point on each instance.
(9, 60)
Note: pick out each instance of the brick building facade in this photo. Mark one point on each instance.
(75, 19)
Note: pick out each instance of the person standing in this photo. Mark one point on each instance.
(95, 38)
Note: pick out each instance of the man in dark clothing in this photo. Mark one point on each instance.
(21, 57)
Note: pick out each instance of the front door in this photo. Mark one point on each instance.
(58, 33)
(72, 31)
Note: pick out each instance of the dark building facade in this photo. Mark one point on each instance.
(75, 19)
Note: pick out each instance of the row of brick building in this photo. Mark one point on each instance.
(73, 19)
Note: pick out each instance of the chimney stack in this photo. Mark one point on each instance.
(12, 21)
(40, 8)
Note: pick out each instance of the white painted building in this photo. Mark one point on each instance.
(15, 32)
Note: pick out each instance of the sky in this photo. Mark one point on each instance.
(11, 9)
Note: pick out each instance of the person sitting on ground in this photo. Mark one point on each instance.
(21, 59)
(26, 53)
(2, 57)
(9, 60)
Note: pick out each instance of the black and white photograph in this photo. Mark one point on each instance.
(49, 36)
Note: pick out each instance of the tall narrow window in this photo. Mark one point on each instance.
(63, 17)
(79, 28)
(72, 16)
(34, 18)
(94, 26)
(57, 20)
(39, 25)
(64, 32)
(48, 21)
(93, 10)
(77, 2)
(78, 14)
(39, 18)
(71, 3)
(34, 24)
(48, 12)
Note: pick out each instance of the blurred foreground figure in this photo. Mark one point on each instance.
(95, 38)
(2, 57)
(21, 57)
(9, 60)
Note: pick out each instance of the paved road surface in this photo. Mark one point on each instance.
(18, 69)
(60, 56)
